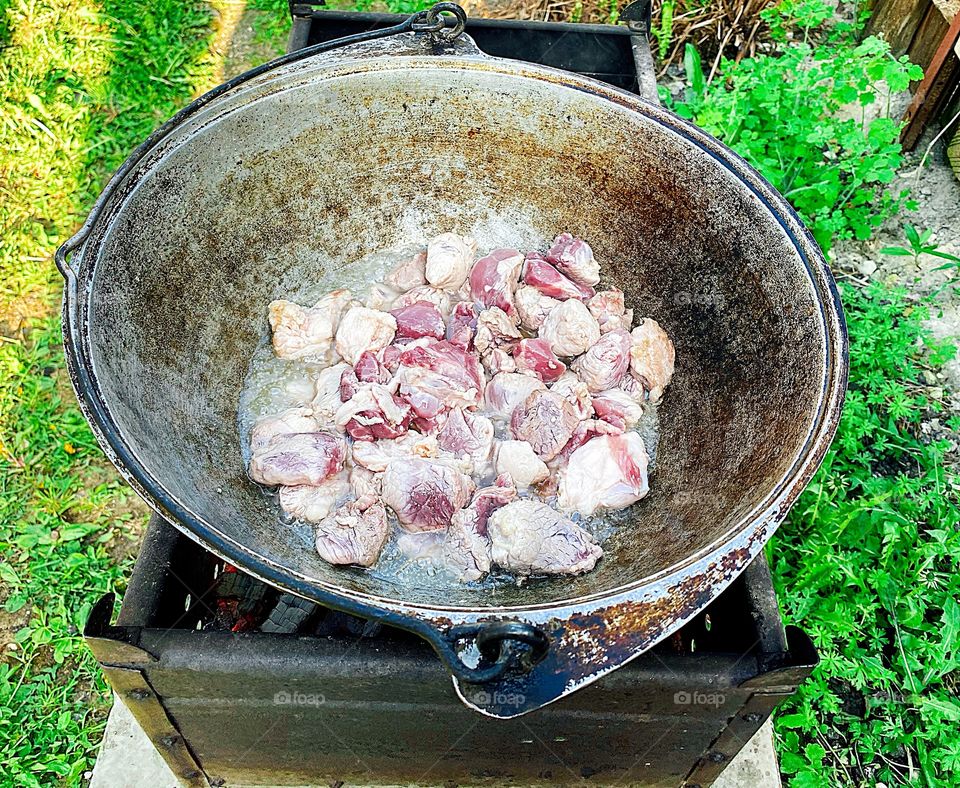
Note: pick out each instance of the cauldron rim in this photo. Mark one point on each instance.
(755, 527)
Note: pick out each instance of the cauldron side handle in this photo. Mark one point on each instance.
(501, 647)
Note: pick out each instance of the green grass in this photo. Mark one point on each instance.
(867, 562)
(869, 565)
(83, 82)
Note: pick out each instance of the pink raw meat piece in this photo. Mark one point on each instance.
(495, 329)
(409, 273)
(424, 494)
(292, 420)
(421, 319)
(535, 355)
(494, 279)
(617, 407)
(368, 369)
(609, 471)
(428, 409)
(574, 257)
(466, 434)
(574, 391)
(447, 371)
(466, 545)
(533, 307)
(374, 413)
(462, 325)
(497, 360)
(590, 428)
(529, 538)
(354, 534)
(652, 357)
(606, 361)
(607, 306)
(506, 390)
(298, 458)
(546, 421)
(314, 503)
(539, 273)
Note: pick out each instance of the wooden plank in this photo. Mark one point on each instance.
(939, 77)
(929, 37)
(897, 21)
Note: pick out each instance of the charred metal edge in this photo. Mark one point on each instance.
(773, 686)
(139, 696)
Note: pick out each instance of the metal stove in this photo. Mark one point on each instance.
(238, 683)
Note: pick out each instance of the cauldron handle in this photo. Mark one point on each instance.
(506, 647)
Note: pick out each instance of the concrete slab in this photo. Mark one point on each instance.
(128, 759)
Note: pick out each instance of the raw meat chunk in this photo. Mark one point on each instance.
(536, 357)
(652, 357)
(365, 483)
(291, 421)
(409, 273)
(355, 534)
(326, 401)
(444, 370)
(377, 455)
(426, 293)
(495, 329)
(532, 307)
(449, 259)
(608, 471)
(608, 308)
(574, 391)
(467, 435)
(368, 369)
(466, 546)
(380, 297)
(574, 257)
(421, 319)
(313, 504)
(494, 279)
(462, 325)
(546, 421)
(617, 407)
(606, 362)
(363, 329)
(538, 272)
(496, 361)
(528, 537)
(570, 329)
(517, 460)
(506, 390)
(307, 334)
(374, 413)
(424, 494)
(298, 458)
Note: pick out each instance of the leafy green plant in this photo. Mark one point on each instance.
(868, 564)
(663, 32)
(919, 245)
(800, 115)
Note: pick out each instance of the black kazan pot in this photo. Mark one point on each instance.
(327, 155)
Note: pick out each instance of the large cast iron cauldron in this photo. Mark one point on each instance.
(270, 182)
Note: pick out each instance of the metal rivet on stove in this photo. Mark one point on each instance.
(717, 757)
(753, 717)
(168, 741)
(138, 694)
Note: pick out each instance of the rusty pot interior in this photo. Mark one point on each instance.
(303, 171)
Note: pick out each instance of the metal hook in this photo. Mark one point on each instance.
(435, 24)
